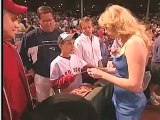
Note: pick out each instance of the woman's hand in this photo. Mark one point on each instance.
(95, 73)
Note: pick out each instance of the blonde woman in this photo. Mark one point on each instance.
(128, 96)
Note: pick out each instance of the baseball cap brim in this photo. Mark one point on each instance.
(13, 7)
(65, 37)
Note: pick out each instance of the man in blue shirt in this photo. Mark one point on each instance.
(155, 72)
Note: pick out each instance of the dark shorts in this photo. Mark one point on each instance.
(155, 72)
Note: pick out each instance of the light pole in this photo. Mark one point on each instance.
(81, 8)
(148, 6)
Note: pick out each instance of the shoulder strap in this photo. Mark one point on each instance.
(124, 49)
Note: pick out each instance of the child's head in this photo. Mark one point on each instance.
(66, 43)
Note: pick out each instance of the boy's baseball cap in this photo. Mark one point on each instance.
(13, 7)
(65, 36)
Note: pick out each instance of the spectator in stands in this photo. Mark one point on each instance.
(19, 35)
(155, 72)
(29, 26)
(87, 46)
(103, 47)
(16, 96)
(128, 96)
(39, 49)
(22, 28)
(148, 66)
(115, 48)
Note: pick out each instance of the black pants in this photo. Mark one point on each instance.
(155, 73)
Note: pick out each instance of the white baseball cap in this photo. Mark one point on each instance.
(65, 36)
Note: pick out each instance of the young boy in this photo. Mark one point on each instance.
(65, 69)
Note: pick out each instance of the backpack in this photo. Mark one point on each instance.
(63, 107)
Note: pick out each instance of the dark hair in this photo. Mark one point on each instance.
(44, 10)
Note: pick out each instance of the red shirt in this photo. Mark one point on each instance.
(16, 95)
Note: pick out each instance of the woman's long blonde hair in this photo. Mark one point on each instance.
(123, 23)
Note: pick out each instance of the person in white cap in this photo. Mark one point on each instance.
(65, 69)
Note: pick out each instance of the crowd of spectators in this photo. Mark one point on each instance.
(69, 22)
